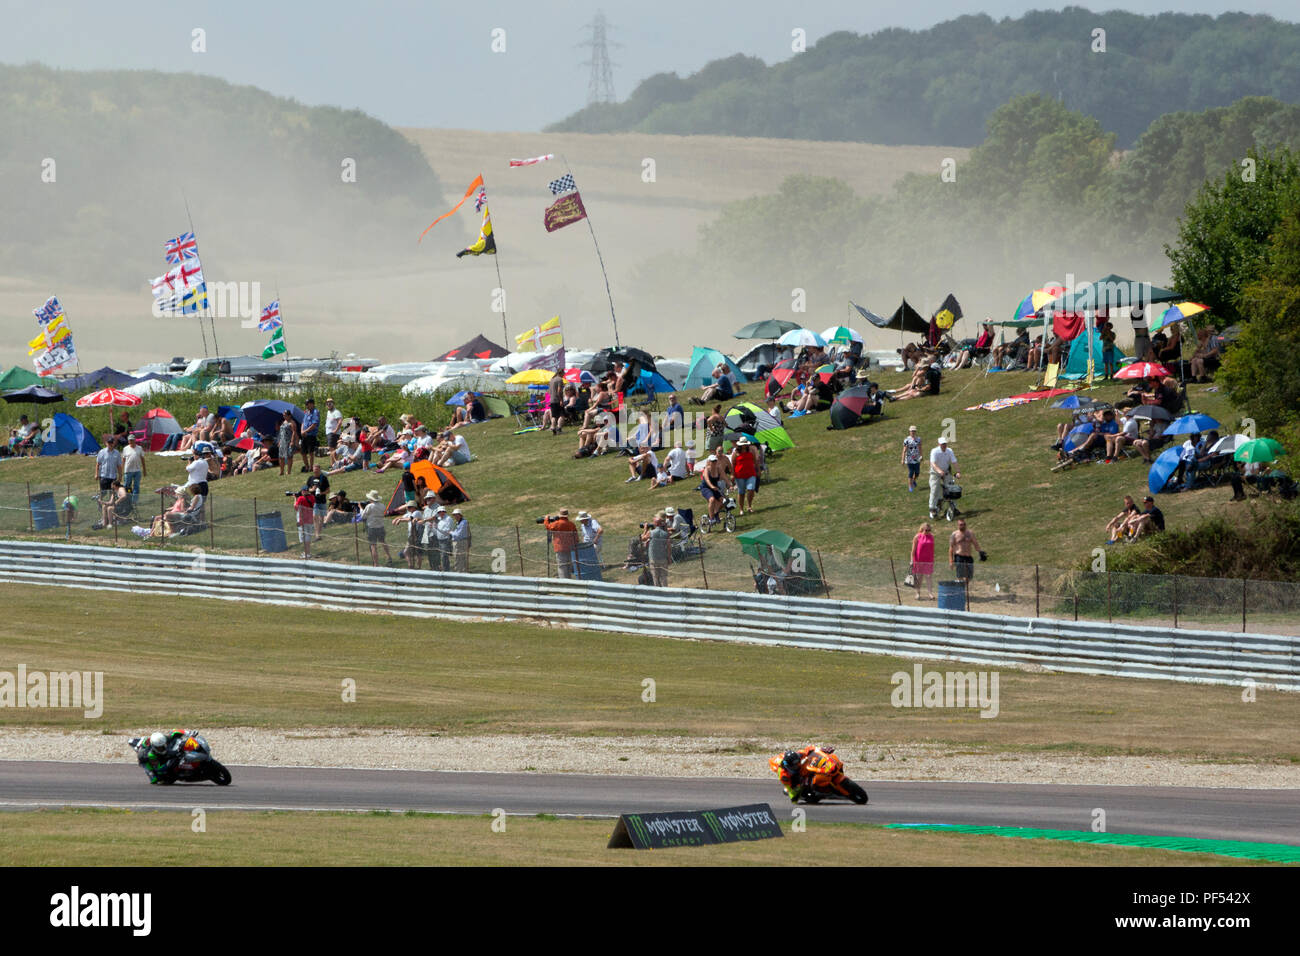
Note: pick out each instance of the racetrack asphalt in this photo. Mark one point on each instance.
(1269, 816)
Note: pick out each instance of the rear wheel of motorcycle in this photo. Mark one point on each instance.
(221, 776)
(856, 793)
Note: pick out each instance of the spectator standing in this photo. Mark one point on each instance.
(373, 516)
(564, 541)
(304, 510)
(962, 548)
(715, 430)
(319, 484)
(744, 465)
(286, 438)
(923, 560)
(196, 475)
(108, 467)
(675, 416)
(942, 462)
(912, 448)
(591, 531)
(333, 425)
(459, 542)
(658, 552)
(440, 556)
(310, 435)
(133, 468)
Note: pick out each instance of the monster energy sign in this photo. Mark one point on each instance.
(655, 831)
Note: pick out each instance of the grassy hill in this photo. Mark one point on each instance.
(841, 493)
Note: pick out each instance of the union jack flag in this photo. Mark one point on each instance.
(50, 311)
(480, 200)
(270, 317)
(184, 246)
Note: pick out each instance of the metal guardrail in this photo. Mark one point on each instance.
(916, 632)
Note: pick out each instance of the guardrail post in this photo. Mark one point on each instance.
(257, 537)
(1175, 600)
(703, 572)
(1036, 608)
(519, 544)
(1243, 605)
(898, 595)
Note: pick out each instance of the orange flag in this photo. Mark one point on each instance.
(476, 184)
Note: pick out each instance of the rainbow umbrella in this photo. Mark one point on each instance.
(841, 335)
(1031, 303)
(825, 372)
(1176, 313)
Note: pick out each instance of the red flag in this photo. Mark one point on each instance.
(476, 184)
(564, 211)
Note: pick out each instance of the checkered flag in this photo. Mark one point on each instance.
(563, 185)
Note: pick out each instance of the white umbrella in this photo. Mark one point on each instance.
(1229, 443)
(801, 337)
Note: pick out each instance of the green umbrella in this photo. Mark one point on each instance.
(1258, 450)
(767, 329)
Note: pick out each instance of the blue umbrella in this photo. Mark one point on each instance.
(1078, 435)
(1166, 464)
(1074, 401)
(1189, 424)
(459, 397)
(265, 416)
(232, 412)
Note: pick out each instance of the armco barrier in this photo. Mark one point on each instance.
(920, 632)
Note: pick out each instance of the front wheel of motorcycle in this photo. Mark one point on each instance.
(221, 776)
(856, 793)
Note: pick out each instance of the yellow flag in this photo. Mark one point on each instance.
(527, 341)
(550, 332)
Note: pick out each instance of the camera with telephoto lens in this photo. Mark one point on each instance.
(544, 520)
(291, 494)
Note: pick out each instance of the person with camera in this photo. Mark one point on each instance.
(564, 540)
(304, 510)
(658, 550)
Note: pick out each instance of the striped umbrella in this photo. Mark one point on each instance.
(1031, 303)
(841, 335)
(109, 397)
(801, 337)
(1176, 313)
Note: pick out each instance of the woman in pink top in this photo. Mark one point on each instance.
(923, 560)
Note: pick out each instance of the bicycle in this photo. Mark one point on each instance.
(726, 518)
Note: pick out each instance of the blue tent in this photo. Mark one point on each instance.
(652, 382)
(1076, 365)
(100, 378)
(704, 361)
(67, 436)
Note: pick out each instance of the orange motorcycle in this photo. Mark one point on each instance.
(813, 773)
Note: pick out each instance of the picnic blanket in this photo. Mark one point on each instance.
(1023, 399)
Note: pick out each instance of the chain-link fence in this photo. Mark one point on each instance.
(712, 561)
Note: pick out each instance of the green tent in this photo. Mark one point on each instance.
(776, 550)
(495, 406)
(1076, 366)
(196, 382)
(703, 362)
(1111, 292)
(20, 378)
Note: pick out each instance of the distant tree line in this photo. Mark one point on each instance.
(939, 86)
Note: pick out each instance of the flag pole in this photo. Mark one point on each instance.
(496, 261)
(600, 258)
(207, 309)
(283, 338)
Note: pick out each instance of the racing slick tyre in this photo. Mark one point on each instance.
(221, 776)
(856, 793)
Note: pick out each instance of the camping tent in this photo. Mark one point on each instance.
(1077, 365)
(100, 378)
(652, 382)
(753, 420)
(444, 485)
(157, 424)
(704, 361)
(476, 348)
(67, 436)
(20, 378)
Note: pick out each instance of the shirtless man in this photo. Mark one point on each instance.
(962, 548)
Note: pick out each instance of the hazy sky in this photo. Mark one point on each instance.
(431, 63)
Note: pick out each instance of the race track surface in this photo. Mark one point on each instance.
(1271, 816)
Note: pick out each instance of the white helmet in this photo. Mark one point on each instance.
(158, 740)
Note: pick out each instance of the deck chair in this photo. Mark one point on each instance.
(1050, 376)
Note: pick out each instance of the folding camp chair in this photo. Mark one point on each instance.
(529, 414)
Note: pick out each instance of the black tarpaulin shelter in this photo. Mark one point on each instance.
(904, 319)
(479, 347)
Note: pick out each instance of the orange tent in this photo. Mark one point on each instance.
(444, 485)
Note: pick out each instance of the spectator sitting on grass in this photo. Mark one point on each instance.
(672, 468)
(341, 510)
(454, 450)
(591, 438)
(1115, 527)
(1148, 521)
(644, 464)
(348, 456)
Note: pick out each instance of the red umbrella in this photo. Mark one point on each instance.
(109, 397)
(782, 375)
(1143, 370)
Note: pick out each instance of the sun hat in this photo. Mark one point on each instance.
(372, 495)
(440, 510)
(583, 516)
(943, 440)
(457, 511)
(863, 374)
(713, 458)
(911, 428)
(564, 512)
(670, 511)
